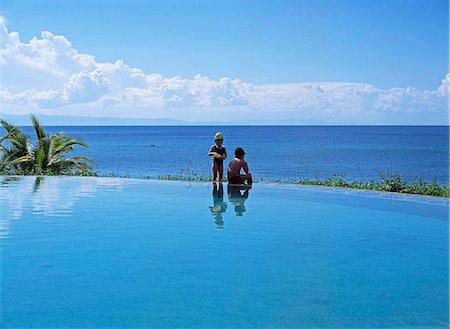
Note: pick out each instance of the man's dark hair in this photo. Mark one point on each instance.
(238, 152)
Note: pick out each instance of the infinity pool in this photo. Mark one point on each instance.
(124, 253)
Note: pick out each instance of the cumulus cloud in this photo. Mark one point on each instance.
(47, 75)
(85, 87)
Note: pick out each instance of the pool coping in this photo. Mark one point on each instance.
(416, 198)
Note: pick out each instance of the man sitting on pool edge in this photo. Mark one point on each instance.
(234, 169)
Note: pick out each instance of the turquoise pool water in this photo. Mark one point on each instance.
(112, 253)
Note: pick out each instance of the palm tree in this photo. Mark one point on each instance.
(47, 157)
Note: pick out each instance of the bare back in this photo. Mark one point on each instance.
(235, 165)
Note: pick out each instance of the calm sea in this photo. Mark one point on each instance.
(360, 152)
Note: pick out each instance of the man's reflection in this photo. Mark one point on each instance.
(219, 206)
(237, 198)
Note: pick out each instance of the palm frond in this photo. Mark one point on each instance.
(79, 157)
(7, 135)
(42, 154)
(7, 125)
(25, 158)
(38, 127)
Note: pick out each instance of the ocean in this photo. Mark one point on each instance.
(273, 152)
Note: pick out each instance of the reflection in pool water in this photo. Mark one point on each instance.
(51, 196)
(219, 206)
(237, 194)
(237, 198)
(105, 252)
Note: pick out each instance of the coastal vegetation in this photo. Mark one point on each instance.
(387, 183)
(46, 156)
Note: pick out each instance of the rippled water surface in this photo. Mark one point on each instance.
(111, 253)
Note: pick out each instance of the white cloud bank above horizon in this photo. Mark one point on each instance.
(48, 76)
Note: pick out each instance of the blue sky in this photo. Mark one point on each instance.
(386, 44)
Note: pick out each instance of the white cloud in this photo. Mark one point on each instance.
(43, 63)
(47, 75)
(85, 87)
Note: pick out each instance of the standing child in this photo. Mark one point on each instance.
(219, 152)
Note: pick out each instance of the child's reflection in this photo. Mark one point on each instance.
(237, 198)
(219, 206)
